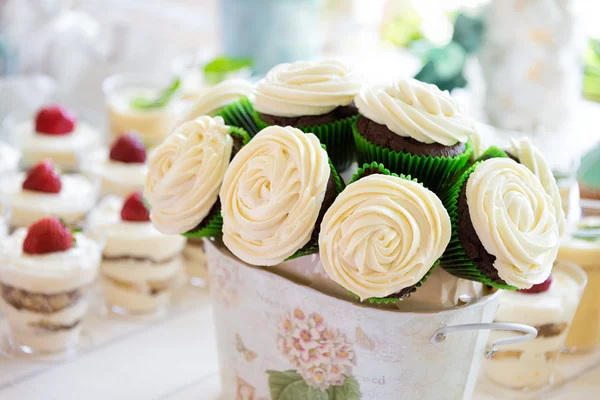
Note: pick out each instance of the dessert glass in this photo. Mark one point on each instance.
(154, 124)
(65, 151)
(44, 302)
(530, 366)
(583, 247)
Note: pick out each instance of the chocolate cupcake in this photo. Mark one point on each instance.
(383, 235)
(315, 97)
(525, 153)
(274, 195)
(505, 233)
(185, 174)
(413, 128)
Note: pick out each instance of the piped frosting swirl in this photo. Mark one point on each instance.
(272, 195)
(306, 88)
(418, 110)
(383, 234)
(515, 220)
(185, 174)
(531, 157)
(219, 96)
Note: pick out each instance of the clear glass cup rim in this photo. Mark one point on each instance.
(575, 271)
(115, 82)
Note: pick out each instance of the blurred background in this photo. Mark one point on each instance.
(530, 66)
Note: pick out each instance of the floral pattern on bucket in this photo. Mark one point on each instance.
(322, 356)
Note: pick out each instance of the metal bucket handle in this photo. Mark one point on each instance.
(529, 333)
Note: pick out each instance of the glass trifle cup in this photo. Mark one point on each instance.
(154, 123)
(550, 308)
(44, 297)
(583, 248)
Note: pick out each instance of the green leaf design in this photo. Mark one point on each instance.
(351, 389)
(163, 98)
(284, 385)
(316, 394)
(217, 70)
(589, 233)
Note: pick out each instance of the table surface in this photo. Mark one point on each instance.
(168, 358)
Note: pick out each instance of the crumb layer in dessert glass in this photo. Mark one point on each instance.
(44, 297)
(531, 364)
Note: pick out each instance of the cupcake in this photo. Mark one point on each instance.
(383, 235)
(314, 96)
(525, 153)
(413, 128)
(9, 158)
(505, 232)
(43, 192)
(45, 273)
(185, 174)
(121, 170)
(274, 195)
(139, 264)
(217, 97)
(55, 134)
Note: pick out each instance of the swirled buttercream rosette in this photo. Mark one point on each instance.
(525, 153)
(215, 99)
(413, 128)
(185, 174)
(274, 194)
(504, 228)
(383, 235)
(313, 96)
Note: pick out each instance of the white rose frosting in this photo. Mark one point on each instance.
(48, 273)
(129, 238)
(532, 158)
(219, 96)
(272, 194)
(9, 158)
(418, 110)
(515, 220)
(185, 174)
(306, 88)
(383, 234)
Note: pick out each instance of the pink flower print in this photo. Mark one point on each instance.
(299, 314)
(318, 378)
(321, 355)
(317, 321)
(286, 325)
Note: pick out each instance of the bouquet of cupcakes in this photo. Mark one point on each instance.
(263, 176)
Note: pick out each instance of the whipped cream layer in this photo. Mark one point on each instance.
(117, 177)
(383, 234)
(36, 146)
(23, 330)
(529, 156)
(9, 158)
(48, 273)
(185, 174)
(272, 195)
(128, 238)
(306, 88)
(515, 220)
(418, 110)
(220, 95)
(75, 199)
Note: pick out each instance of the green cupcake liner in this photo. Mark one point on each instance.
(212, 228)
(455, 259)
(433, 172)
(312, 247)
(336, 136)
(492, 152)
(239, 114)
